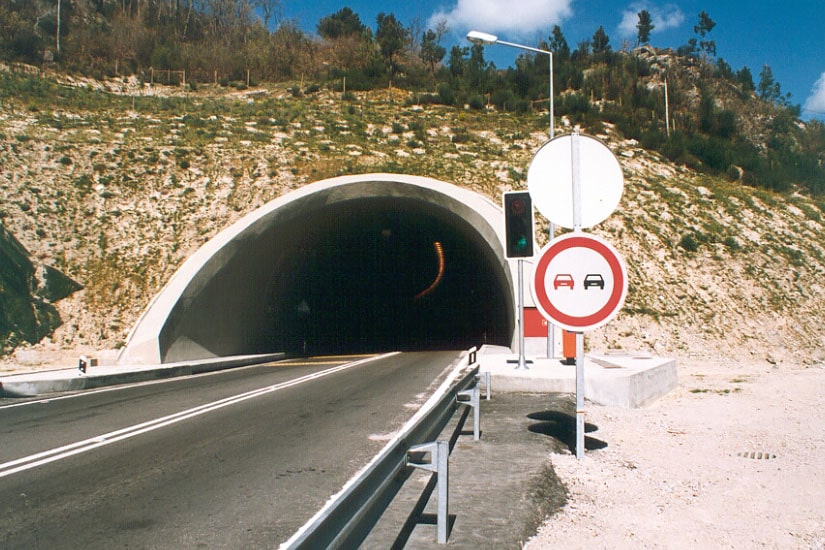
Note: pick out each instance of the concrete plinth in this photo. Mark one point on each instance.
(617, 379)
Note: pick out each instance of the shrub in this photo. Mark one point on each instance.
(446, 93)
(476, 102)
(689, 243)
(732, 244)
(460, 135)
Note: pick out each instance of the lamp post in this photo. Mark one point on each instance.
(483, 38)
(478, 37)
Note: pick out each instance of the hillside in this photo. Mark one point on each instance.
(117, 188)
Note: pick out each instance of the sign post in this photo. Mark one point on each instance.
(570, 266)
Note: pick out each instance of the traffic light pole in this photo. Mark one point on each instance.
(522, 362)
(519, 238)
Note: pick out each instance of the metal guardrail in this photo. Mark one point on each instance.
(347, 518)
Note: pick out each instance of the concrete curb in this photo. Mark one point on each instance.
(63, 380)
(613, 379)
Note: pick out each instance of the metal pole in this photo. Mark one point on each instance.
(551, 330)
(521, 362)
(576, 177)
(579, 395)
(552, 122)
(577, 227)
(442, 459)
(477, 37)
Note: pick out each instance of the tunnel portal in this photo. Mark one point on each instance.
(351, 265)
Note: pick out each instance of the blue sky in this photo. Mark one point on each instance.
(784, 35)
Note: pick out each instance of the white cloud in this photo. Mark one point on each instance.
(517, 18)
(663, 18)
(816, 101)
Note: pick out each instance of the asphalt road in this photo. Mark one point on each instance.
(235, 459)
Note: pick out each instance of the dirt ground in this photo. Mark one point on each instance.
(733, 458)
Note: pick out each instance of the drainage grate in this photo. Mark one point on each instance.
(756, 455)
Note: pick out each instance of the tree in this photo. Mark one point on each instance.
(745, 79)
(391, 37)
(768, 87)
(344, 22)
(689, 49)
(600, 41)
(476, 68)
(558, 44)
(705, 25)
(456, 62)
(724, 68)
(269, 9)
(431, 51)
(644, 27)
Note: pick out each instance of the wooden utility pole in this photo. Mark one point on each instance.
(667, 112)
(58, 28)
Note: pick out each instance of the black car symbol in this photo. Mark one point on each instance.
(593, 279)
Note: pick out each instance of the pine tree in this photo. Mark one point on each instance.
(768, 88)
(558, 44)
(644, 27)
(706, 24)
(431, 51)
(600, 41)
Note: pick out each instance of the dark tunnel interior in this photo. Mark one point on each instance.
(387, 274)
(367, 274)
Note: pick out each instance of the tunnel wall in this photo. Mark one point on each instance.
(216, 303)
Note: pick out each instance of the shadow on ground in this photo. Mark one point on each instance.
(562, 426)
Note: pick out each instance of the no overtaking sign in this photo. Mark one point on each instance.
(579, 282)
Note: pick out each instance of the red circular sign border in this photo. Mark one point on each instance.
(601, 247)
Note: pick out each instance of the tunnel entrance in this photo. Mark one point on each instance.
(354, 264)
(381, 274)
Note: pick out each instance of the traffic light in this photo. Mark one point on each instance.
(518, 224)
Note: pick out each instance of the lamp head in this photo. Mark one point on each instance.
(478, 37)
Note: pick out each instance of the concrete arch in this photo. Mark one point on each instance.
(348, 264)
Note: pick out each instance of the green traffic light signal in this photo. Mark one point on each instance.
(518, 224)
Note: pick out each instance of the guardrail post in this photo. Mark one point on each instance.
(474, 401)
(486, 377)
(439, 464)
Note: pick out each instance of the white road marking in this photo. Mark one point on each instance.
(59, 453)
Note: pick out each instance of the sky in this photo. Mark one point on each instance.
(786, 36)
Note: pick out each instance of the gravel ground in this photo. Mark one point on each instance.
(733, 458)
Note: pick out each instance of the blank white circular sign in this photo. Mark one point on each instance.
(550, 180)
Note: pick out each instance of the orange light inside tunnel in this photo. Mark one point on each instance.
(439, 252)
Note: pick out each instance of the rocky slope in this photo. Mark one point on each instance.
(116, 188)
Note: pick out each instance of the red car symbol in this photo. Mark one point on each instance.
(563, 279)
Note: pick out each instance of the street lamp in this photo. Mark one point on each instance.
(478, 37)
(483, 38)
